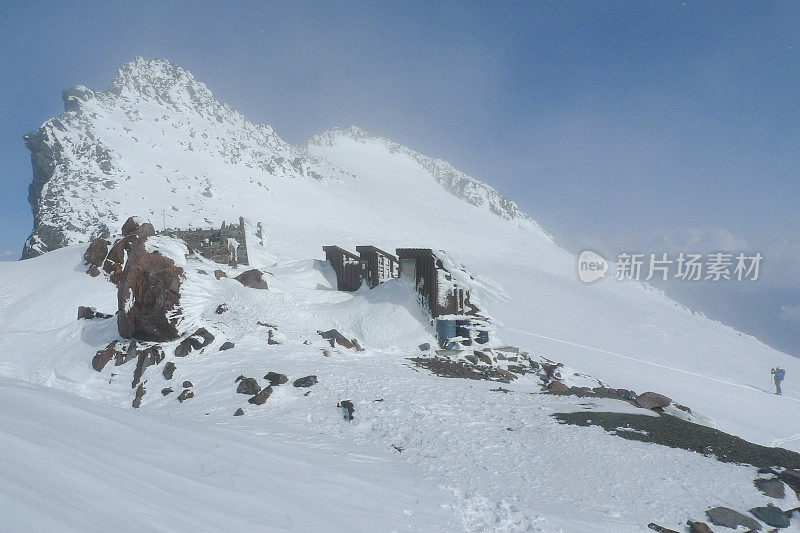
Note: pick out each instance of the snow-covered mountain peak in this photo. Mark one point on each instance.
(158, 144)
(161, 81)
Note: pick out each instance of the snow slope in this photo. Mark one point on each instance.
(501, 462)
(82, 466)
(158, 145)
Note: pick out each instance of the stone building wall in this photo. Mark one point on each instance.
(226, 245)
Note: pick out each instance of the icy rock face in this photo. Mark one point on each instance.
(157, 142)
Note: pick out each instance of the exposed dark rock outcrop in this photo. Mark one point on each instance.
(148, 297)
(261, 397)
(652, 400)
(185, 395)
(725, 517)
(147, 357)
(774, 488)
(334, 338)
(105, 355)
(130, 225)
(167, 391)
(276, 379)
(698, 527)
(239, 412)
(771, 515)
(140, 392)
(227, 345)
(248, 386)
(306, 381)
(169, 370)
(88, 313)
(97, 252)
(347, 408)
(196, 341)
(252, 278)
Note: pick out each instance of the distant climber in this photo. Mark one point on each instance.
(777, 375)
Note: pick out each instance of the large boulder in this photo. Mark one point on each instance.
(276, 379)
(248, 386)
(306, 381)
(771, 515)
(252, 278)
(725, 517)
(131, 225)
(97, 252)
(261, 397)
(774, 488)
(652, 400)
(148, 297)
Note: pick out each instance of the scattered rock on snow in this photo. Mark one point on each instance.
(660, 529)
(773, 488)
(252, 278)
(140, 392)
(248, 386)
(261, 397)
(169, 370)
(771, 515)
(147, 357)
(219, 274)
(347, 408)
(101, 359)
(424, 347)
(166, 391)
(227, 345)
(617, 394)
(725, 517)
(270, 339)
(698, 527)
(557, 387)
(276, 379)
(185, 395)
(652, 400)
(221, 308)
(196, 341)
(97, 252)
(306, 381)
(88, 313)
(334, 337)
(483, 357)
(123, 357)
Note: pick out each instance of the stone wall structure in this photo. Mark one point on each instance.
(226, 245)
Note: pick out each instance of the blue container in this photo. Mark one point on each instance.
(445, 331)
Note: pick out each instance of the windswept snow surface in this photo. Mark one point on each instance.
(499, 460)
(158, 145)
(71, 464)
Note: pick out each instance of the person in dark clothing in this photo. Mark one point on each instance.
(777, 375)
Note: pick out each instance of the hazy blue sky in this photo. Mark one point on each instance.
(641, 126)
